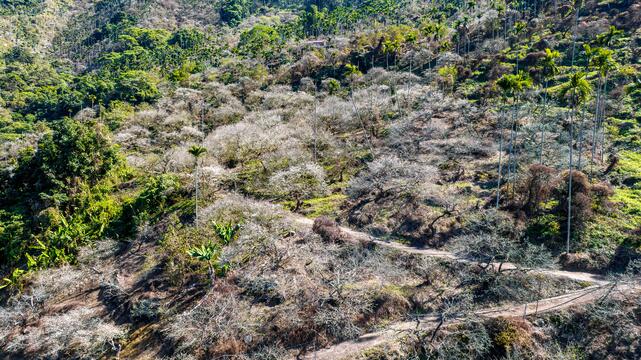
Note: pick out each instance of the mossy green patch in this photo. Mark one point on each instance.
(603, 232)
(630, 199)
(323, 206)
(401, 291)
(629, 163)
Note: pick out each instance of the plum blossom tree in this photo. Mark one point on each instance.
(390, 175)
(299, 183)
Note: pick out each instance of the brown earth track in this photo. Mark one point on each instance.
(600, 288)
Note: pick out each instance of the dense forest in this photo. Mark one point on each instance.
(341, 179)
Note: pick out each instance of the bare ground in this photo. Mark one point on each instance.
(349, 349)
(600, 288)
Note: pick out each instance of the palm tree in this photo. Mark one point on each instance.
(448, 74)
(549, 69)
(511, 85)
(197, 151)
(603, 61)
(606, 38)
(576, 91)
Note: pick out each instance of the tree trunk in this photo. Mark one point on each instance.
(511, 168)
(596, 124)
(569, 223)
(545, 103)
(498, 184)
(576, 25)
(603, 119)
(212, 273)
(580, 150)
(196, 192)
(438, 327)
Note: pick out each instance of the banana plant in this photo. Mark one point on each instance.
(13, 280)
(226, 232)
(210, 253)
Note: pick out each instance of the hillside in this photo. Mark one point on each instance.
(377, 179)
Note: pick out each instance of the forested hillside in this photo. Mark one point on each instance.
(375, 179)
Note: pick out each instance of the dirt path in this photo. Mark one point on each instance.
(349, 349)
(600, 287)
(357, 236)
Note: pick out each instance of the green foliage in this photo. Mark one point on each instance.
(544, 228)
(157, 49)
(610, 36)
(12, 235)
(207, 252)
(448, 74)
(261, 41)
(36, 89)
(514, 84)
(60, 197)
(13, 280)
(11, 7)
(233, 70)
(322, 206)
(137, 86)
(116, 113)
(629, 165)
(69, 153)
(317, 20)
(333, 86)
(188, 38)
(159, 193)
(13, 129)
(39, 89)
(352, 70)
(631, 201)
(226, 232)
(59, 244)
(576, 90)
(20, 55)
(197, 151)
(147, 38)
(433, 30)
(548, 63)
(211, 254)
(234, 11)
(601, 59)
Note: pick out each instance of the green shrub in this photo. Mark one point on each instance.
(261, 41)
(234, 11)
(137, 86)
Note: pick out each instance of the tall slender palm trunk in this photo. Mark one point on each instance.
(498, 184)
(596, 124)
(580, 140)
(569, 222)
(602, 116)
(569, 225)
(545, 107)
(197, 191)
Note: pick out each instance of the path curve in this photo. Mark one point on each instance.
(599, 288)
(358, 236)
(348, 349)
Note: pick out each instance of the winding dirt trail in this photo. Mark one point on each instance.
(600, 287)
(348, 349)
(357, 237)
